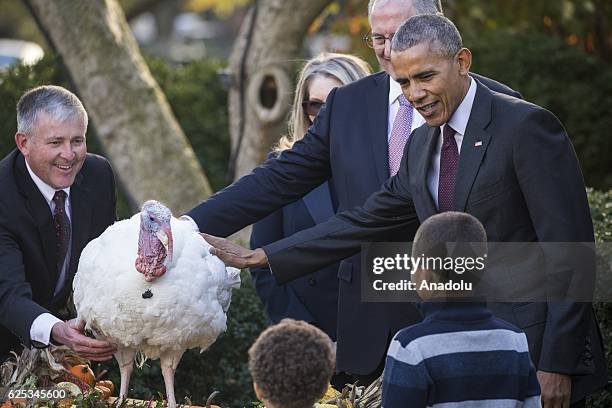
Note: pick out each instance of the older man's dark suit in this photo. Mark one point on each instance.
(348, 146)
(28, 272)
(519, 175)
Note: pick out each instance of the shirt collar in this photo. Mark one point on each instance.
(395, 90)
(46, 190)
(460, 117)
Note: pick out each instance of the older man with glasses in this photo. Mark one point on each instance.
(356, 142)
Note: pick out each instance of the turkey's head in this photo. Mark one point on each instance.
(154, 240)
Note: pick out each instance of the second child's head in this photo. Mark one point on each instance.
(452, 246)
(291, 364)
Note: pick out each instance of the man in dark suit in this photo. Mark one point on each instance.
(55, 199)
(505, 161)
(349, 144)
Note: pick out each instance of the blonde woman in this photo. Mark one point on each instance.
(312, 298)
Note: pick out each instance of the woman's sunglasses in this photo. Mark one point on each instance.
(312, 107)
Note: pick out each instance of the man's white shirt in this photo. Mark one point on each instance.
(458, 122)
(40, 330)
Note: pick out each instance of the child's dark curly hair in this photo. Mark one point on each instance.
(292, 363)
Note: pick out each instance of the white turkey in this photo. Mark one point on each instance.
(150, 285)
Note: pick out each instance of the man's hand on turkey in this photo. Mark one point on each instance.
(234, 255)
(71, 334)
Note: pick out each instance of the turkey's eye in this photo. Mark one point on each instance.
(151, 218)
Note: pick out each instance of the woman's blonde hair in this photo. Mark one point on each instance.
(343, 67)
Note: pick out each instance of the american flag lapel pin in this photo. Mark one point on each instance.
(478, 143)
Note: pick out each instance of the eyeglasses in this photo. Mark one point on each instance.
(312, 107)
(377, 40)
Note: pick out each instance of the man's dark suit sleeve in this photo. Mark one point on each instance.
(273, 184)
(551, 182)
(17, 309)
(111, 215)
(387, 215)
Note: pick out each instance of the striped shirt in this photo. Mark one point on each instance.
(460, 355)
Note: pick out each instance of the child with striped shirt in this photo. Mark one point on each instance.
(460, 355)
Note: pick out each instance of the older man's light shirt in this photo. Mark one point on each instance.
(395, 90)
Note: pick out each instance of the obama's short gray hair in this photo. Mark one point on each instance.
(437, 30)
(419, 6)
(58, 102)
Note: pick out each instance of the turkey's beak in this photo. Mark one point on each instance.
(165, 236)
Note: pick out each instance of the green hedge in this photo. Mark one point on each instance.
(13, 83)
(601, 211)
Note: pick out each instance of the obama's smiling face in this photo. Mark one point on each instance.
(434, 84)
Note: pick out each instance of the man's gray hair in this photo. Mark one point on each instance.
(58, 102)
(436, 30)
(419, 6)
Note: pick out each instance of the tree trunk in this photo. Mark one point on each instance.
(132, 118)
(262, 90)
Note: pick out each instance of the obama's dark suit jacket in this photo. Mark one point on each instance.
(28, 272)
(347, 145)
(519, 175)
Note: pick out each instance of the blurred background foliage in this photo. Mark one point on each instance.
(556, 53)
(221, 8)
(601, 211)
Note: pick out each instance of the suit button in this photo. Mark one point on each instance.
(312, 282)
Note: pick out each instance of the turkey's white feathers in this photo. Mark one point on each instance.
(189, 301)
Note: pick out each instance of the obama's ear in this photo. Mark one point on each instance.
(464, 59)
